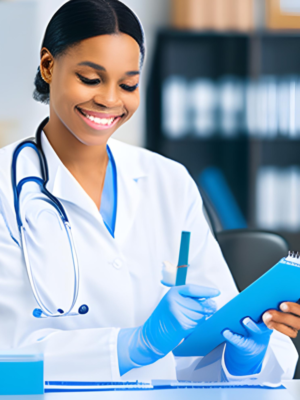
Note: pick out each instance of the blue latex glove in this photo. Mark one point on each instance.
(176, 316)
(244, 354)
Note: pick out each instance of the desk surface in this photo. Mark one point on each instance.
(292, 393)
(182, 394)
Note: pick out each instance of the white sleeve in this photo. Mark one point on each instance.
(208, 268)
(69, 354)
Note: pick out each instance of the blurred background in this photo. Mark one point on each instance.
(220, 93)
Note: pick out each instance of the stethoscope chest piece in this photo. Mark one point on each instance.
(84, 309)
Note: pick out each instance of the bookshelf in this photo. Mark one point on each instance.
(211, 55)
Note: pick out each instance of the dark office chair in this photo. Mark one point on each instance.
(248, 253)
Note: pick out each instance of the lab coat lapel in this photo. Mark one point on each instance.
(129, 175)
(64, 186)
(128, 201)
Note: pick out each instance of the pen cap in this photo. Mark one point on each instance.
(184, 248)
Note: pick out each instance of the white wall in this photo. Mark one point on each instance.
(17, 52)
(19, 55)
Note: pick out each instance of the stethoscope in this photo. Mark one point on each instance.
(35, 143)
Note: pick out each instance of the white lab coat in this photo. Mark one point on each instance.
(119, 278)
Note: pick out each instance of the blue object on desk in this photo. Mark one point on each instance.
(281, 283)
(213, 182)
(21, 374)
(183, 258)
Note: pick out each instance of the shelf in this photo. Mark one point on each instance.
(185, 33)
(193, 34)
(275, 141)
(278, 141)
(207, 50)
(201, 140)
(280, 153)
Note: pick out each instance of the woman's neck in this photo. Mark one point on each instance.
(86, 163)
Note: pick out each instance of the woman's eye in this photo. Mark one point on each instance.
(129, 88)
(88, 81)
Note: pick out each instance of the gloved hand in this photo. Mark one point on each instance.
(244, 354)
(176, 316)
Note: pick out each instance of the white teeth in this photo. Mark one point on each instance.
(100, 121)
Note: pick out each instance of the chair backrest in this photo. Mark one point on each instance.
(210, 214)
(251, 253)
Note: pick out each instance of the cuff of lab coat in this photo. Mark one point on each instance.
(113, 348)
(270, 374)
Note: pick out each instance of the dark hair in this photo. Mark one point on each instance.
(77, 20)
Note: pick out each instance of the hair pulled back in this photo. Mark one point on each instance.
(77, 20)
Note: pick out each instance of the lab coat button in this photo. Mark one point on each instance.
(118, 263)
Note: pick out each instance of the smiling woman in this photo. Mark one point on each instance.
(91, 59)
(102, 96)
(92, 220)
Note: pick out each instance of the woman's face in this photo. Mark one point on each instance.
(94, 87)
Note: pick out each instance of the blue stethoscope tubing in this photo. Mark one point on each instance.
(35, 143)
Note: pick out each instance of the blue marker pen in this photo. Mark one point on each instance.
(183, 259)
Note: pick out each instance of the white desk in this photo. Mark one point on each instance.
(293, 393)
(180, 394)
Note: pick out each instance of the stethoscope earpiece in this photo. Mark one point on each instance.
(83, 309)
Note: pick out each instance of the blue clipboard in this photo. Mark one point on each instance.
(281, 283)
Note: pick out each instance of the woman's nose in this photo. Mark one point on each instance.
(108, 96)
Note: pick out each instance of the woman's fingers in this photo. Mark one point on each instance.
(208, 303)
(197, 291)
(254, 328)
(234, 338)
(203, 307)
(287, 324)
(293, 308)
(193, 316)
(286, 330)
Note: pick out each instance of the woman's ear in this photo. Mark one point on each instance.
(46, 65)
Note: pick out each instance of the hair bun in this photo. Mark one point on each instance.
(42, 88)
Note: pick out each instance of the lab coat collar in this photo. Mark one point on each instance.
(64, 186)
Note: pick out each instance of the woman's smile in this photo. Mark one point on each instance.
(98, 121)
